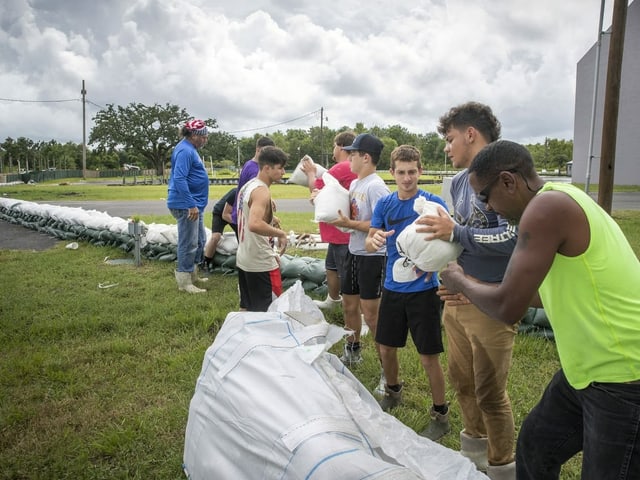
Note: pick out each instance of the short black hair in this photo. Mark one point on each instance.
(264, 142)
(271, 155)
(502, 155)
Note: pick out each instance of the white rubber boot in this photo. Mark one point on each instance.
(475, 449)
(195, 278)
(185, 284)
(502, 472)
(328, 303)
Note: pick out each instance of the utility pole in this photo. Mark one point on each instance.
(238, 145)
(322, 159)
(596, 76)
(84, 133)
(611, 104)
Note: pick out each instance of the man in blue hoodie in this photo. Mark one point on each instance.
(187, 198)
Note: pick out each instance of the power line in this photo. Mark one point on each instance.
(39, 101)
(95, 104)
(277, 124)
(17, 100)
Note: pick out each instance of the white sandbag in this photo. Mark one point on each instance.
(272, 403)
(162, 234)
(330, 199)
(228, 244)
(426, 255)
(299, 177)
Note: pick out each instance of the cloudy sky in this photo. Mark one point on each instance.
(255, 64)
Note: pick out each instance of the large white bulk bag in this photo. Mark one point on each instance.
(272, 403)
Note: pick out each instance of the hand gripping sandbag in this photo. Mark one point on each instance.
(272, 403)
(330, 199)
(299, 177)
(426, 255)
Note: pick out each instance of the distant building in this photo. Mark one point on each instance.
(627, 166)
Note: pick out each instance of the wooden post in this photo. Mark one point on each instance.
(611, 104)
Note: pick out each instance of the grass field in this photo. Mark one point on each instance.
(95, 383)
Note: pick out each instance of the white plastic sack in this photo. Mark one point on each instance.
(426, 255)
(272, 403)
(300, 178)
(330, 199)
(228, 244)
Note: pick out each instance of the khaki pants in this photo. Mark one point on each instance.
(479, 357)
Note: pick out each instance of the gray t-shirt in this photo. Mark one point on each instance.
(486, 237)
(364, 194)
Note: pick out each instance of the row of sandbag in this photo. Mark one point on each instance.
(92, 226)
(157, 242)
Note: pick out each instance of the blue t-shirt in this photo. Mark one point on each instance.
(189, 181)
(392, 213)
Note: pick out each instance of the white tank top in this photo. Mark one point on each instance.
(255, 252)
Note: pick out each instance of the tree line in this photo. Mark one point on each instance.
(144, 135)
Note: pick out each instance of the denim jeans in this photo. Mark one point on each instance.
(602, 421)
(191, 239)
(479, 357)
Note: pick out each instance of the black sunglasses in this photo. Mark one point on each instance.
(483, 195)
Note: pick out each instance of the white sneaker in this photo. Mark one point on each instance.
(328, 303)
(379, 390)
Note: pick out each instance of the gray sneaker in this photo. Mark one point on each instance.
(351, 357)
(438, 426)
(391, 399)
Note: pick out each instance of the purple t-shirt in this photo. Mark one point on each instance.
(249, 170)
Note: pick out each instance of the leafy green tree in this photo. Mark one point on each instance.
(401, 135)
(10, 154)
(385, 158)
(432, 147)
(20, 152)
(220, 147)
(553, 153)
(149, 132)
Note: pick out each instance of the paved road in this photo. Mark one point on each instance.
(621, 201)
(14, 237)
(126, 208)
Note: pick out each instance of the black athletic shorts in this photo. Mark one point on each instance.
(363, 276)
(418, 313)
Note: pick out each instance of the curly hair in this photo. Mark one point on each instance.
(471, 114)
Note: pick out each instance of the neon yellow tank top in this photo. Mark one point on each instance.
(593, 301)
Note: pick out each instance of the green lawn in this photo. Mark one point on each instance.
(95, 383)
